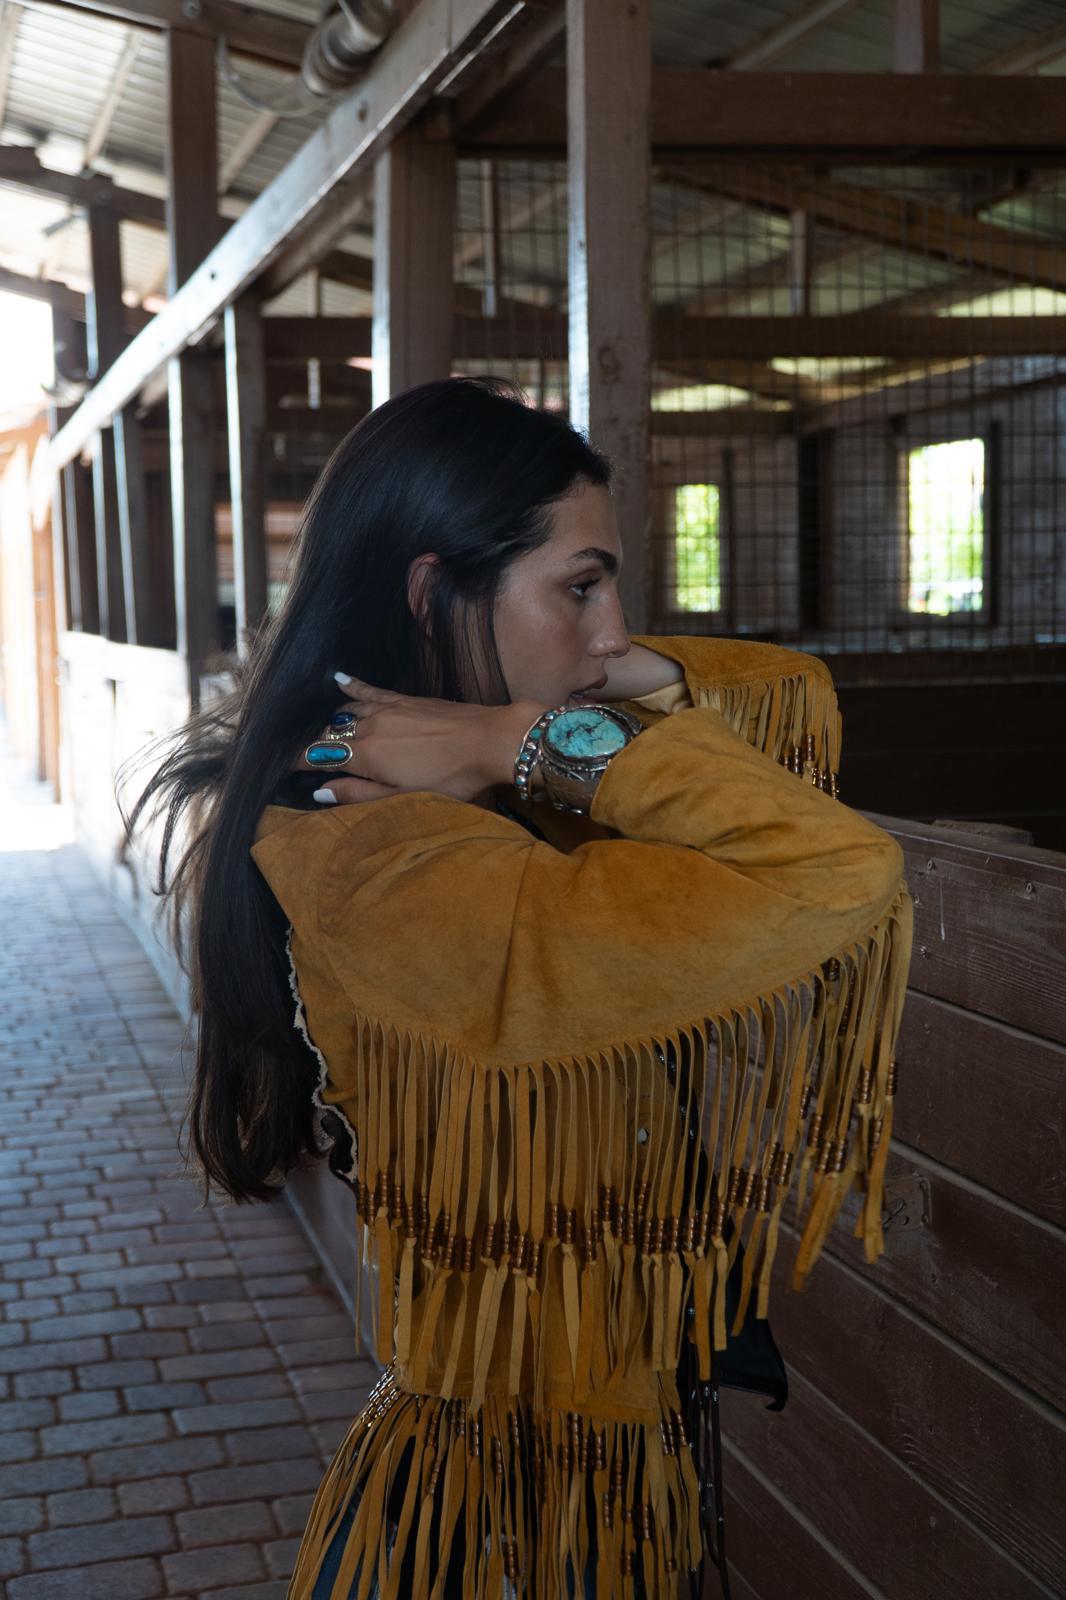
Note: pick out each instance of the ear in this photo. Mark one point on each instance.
(419, 576)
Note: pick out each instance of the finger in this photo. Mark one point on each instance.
(346, 791)
(357, 689)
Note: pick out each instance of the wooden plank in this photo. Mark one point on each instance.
(990, 926)
(260, 35)
(988, 1450)
(987, 1101)
(874, 1514)
(796, 1561)
(985, 1273)
(246, 414)
(862, 334)
(698, 111)
(414, 243)
(916, 35)
(402, 77)
(609, 328)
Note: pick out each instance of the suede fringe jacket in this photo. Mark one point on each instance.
(517, 1042)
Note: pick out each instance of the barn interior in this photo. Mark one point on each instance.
(799, 268)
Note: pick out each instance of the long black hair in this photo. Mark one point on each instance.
(463, 468)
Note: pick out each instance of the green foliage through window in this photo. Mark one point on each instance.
(697, 547)
(946, 527)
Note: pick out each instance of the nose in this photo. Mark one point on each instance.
(614, 636)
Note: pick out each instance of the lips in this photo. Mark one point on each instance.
(590, 688)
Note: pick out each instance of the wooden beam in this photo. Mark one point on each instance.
(260, 35)
(959, 388)
(10, 17)
(507, 70)
(402, 77)
(916, 35)
(696, 110)
(57, 295)
(97, 137)
(246, 416)
(861, 334)
(789, 32)
(132, 496)
(20, 166)
(105, 341)
(414, 244)
(78, 523)
(192, 167)
(934, 230)
(609, 332)
(734, 422)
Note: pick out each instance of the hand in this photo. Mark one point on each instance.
(403, 743)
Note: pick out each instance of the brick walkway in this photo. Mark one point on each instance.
(172, 1379)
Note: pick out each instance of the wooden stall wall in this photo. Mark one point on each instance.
(923, 1449)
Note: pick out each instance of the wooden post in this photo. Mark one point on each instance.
(193, 230)
(608, 107)
(105, 340)
(246, 412)
(414, 219)
(800, 264)
(916, 35)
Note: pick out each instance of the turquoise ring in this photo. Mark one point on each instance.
(328, 754)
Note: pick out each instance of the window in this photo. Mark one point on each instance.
(697, 547)
(946, 533)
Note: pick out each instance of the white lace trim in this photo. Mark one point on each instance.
(318, 1096)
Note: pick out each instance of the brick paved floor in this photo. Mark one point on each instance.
(172, 1379)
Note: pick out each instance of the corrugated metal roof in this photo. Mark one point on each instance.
(64, 63)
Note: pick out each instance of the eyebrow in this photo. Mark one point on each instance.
(606, 559)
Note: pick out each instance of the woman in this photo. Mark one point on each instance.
(582, 995)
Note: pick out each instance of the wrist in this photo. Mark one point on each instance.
(511, 724)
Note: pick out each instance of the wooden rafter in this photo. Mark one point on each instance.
(789, 32)
(101, 127)
(904, 224)
(1031, 55)
(251, 140)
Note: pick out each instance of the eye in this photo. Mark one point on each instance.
(589, 583)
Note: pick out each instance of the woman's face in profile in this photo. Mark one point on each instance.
(558, 619)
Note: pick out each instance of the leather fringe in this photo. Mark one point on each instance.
(525, 1505)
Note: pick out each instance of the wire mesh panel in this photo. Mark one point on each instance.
(511, 286)
(858, 408)
(857, 396)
